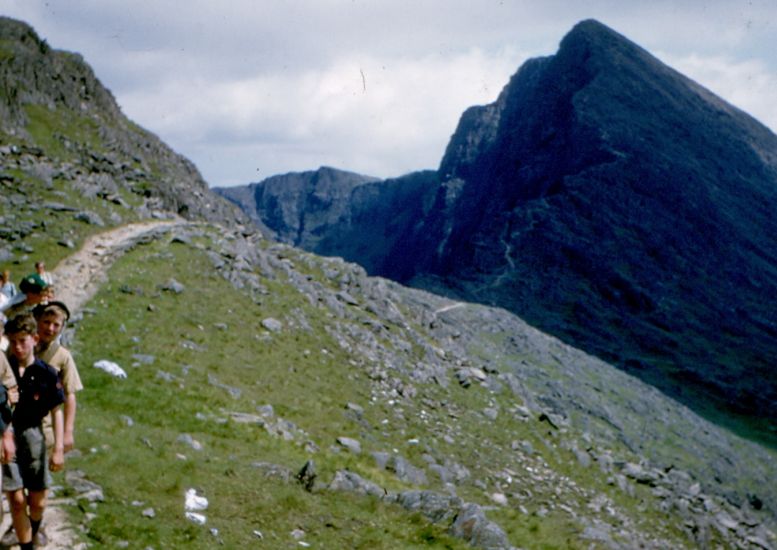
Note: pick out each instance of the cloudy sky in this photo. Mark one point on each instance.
(251, 88)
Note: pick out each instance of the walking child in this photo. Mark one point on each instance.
(51, 319)
(33, 291)
(40, 393)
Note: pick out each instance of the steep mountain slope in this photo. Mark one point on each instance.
(58, 122)
(610, 201)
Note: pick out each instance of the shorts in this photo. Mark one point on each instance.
(30, 468)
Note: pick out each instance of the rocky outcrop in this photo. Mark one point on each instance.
(337, 213)
(60, 122)
(296, 206)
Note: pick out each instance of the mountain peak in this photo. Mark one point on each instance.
(594, 37)
(613, 202)
(595, 30)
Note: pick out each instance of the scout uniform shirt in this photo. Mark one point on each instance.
(59, 358)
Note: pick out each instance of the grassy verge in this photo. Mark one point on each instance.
(144, 465)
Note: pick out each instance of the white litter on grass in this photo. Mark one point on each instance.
(194, 502)
(199, 519)
(111, 368)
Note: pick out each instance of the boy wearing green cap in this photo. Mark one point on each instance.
(33, 290)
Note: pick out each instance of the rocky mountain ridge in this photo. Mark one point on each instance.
(611, 201)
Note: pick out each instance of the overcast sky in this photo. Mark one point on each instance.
(251, 88)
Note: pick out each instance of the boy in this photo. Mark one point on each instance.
(7, 378)
(33, 291)
(7, 288)
(8, 446)
(51, 320)
(40, 393)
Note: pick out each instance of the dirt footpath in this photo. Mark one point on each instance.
(76, 279)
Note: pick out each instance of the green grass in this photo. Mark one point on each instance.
(140, 463)
(308, 380)
(49, 128)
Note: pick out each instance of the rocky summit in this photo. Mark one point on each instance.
(610, 201)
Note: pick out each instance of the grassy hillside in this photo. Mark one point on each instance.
(202, 367)
(201, 339)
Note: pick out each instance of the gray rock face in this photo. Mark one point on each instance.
(405, 471)
(338, 213)
(296, 206)
(350, 444)
(354, 483)
(84, 488)
(91, 218)
(307, 475)
(472, 525)
(435, 506)
(172, 286)
(273, 325)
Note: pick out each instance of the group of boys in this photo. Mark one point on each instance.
(39, 378)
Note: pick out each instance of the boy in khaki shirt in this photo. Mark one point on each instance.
(51, 320)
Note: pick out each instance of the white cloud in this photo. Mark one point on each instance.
(378, 116)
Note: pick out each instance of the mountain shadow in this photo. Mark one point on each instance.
(610, 201)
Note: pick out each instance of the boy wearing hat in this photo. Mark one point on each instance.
(51, 319)
(40, 269)
(32, 291)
